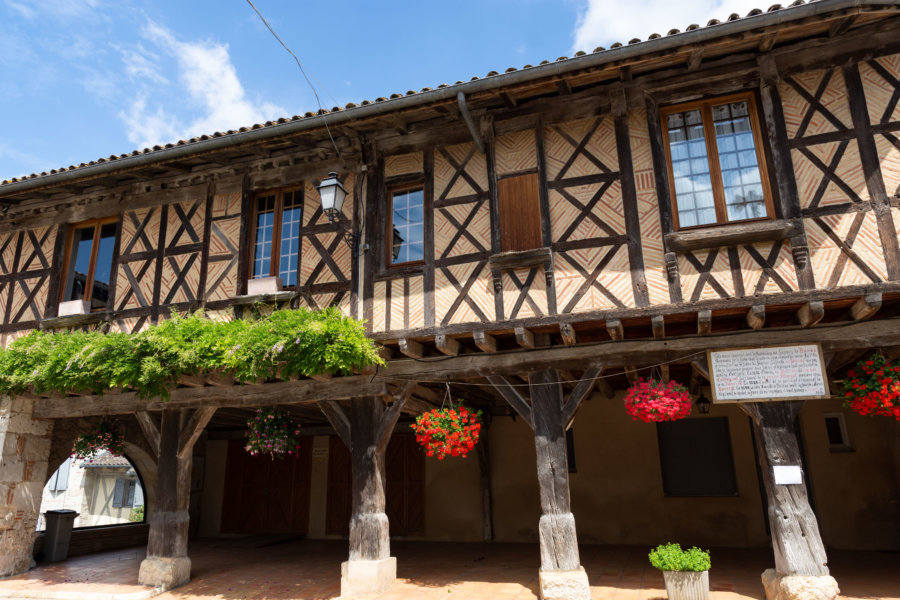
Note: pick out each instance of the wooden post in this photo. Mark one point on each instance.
(483, 450)
(549, 414)
(167, 564)
(366, 432)
(800, 561)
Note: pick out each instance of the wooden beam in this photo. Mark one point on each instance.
(658, 324)
(767, 42)
(447, 345)
(151, 431)
(338, 419)
(524, 337)
(390, 416)
(866, 306)
(193, 428)
(694, 59)
(412, 348)
(568, 334)
(485, 341)
(581, 391)
(513, 397)
(842, 25)
(631, 373)
(700, 364)
(756, 316)
(841, 359)
(286, 392)
(704, 322)
(811, 313)
(615, 329)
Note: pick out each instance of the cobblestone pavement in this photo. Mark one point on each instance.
(267, 568)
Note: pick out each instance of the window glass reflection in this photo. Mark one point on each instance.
(79, 263)
(103, 266)
(408, 226)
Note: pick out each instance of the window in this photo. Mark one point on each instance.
(695, 455)
(123, 493)
(836, 430)
(407, 225)
(59, 481)
(276, 218)
(519, 208)
(716, 162)
(89, 261)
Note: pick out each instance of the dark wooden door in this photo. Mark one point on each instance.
(404, 487)
(264, 495)
(519, 211)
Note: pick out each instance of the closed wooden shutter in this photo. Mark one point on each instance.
(129, 500)
(60, 480)
(118, 493)
(519, 207)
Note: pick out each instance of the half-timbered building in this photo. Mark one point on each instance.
(529, 242)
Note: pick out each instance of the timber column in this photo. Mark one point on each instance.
(167, 564)
(561, 576)
(370, 568)
(801, 566)
(24, 450)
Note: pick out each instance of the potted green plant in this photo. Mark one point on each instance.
(685, 572)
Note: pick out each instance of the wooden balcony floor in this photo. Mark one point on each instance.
(272, 568)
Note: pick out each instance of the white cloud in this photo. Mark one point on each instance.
(208, 90)
(602, 22)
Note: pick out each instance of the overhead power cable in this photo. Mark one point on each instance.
(305, 76)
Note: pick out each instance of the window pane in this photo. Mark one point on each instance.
(737, 158)
(79, 263)
(290, 238)
(103, 266)
(262, 247)
(690, 168)
(408, 226)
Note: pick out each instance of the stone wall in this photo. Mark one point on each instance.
(24, 451)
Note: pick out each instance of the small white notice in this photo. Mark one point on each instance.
(772, 373)
(788, 475)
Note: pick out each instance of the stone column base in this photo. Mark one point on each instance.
(799, 587)
(367, 576)
(165, 572)
(564, 585)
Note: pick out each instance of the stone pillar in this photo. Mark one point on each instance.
(801, 566)
(167, 564)
(24, 450)
(371, 568)
(561, 577)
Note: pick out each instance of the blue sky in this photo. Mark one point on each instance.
(82, 79)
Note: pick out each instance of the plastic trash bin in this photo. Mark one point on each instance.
(58, 533)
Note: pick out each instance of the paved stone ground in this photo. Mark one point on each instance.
(266, 568)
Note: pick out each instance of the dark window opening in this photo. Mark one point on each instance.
(570, 450)
(836, 430)
(695, 455)
(89, 264)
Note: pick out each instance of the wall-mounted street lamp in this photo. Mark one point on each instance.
(332, 195)
(703, 404)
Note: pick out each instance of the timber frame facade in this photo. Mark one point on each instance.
(574, 155)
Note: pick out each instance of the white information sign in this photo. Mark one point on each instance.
(788, 474)
(771, 373)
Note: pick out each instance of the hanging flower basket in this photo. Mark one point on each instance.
(873, 387)
(446, 432)
(272, 433)
(652, 400)
(104, 437)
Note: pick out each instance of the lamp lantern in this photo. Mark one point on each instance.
(703, 404)
(332, 194)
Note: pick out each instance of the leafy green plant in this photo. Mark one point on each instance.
(282, 344)
(670, 557)
(137, 515)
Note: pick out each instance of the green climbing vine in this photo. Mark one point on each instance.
(282, 344)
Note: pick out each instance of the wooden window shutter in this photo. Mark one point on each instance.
(519, 213)
(118, 493)
(60, 480)
(129, 500)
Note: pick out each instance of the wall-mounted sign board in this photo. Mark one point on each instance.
(769, 373)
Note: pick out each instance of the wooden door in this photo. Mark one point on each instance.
(404, 487)
(263, 495)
